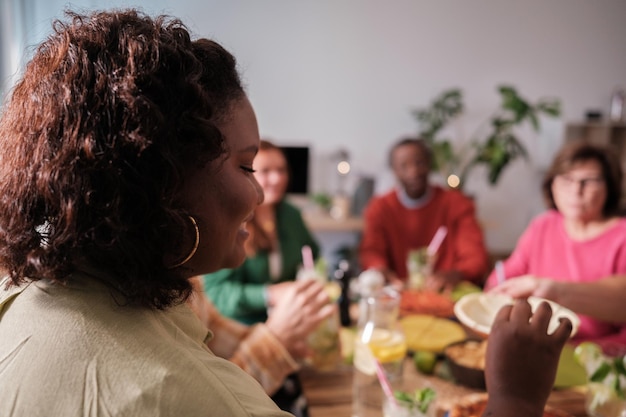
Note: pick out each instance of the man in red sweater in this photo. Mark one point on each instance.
(408, 217)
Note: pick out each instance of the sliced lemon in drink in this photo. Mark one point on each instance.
(333, 290)
(364, 361)
(383, 345)
(587, 352)
(388, 346)
(590, 356)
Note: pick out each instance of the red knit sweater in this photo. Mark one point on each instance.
(391, 230)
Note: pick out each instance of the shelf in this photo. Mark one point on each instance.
(321, 222)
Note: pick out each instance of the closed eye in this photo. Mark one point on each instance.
(248, 169)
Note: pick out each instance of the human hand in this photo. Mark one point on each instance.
(276, 292)
(522, 358)
(297, 313)
(443, 281)
(525, 286)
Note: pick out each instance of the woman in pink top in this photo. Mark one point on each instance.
(575, 254)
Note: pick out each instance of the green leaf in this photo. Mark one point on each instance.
(617, 387)
(442, 109)
(600, 373)
(550, 107)
(403, 396)
(420, 399)
(425, 397)
(618, 363)
(533, 121)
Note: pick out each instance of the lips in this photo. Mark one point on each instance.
(243, 230)
(243, 233)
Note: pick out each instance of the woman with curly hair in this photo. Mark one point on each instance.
(125, 170)
(126, 157)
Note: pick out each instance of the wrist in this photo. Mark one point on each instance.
(549, 289)
(267, 296)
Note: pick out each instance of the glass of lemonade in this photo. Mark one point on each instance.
(379, 341)
(419, 266)
(400, 409)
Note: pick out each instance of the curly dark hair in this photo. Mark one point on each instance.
(114, 111)
(579, 151)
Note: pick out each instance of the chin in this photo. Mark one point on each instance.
(270, 200)
(235, 260)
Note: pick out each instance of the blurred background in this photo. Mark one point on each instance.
(341, 78)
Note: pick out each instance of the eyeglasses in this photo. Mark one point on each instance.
(567, 181)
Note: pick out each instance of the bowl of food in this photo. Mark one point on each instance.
(477, 312)
(466, 362)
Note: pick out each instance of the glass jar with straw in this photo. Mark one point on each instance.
(379, 352)
(421, 261)
(324, 340)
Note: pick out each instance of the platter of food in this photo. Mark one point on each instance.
(429, 333)
(426, 302)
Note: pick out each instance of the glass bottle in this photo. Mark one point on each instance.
(379, 339)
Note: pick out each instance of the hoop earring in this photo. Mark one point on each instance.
(195, 245)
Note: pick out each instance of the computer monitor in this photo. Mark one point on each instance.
(298, 161)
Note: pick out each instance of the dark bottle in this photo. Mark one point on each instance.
(343, 276)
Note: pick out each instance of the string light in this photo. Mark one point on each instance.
(454, 181)
(343, 167)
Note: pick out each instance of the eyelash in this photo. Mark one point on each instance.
(248, 169)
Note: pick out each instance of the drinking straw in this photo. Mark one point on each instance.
(307, 257)
(500, 274)
(434, 244)
(384, 383)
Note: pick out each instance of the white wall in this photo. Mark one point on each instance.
(348, 72)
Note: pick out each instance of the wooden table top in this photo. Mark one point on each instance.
(330, 393)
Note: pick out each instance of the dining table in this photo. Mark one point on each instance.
(329, 393)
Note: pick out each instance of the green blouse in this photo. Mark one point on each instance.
(240, 293)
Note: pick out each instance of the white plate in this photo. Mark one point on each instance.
(478, 311)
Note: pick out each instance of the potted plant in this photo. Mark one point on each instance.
(496, 148)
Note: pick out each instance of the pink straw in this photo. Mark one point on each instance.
(500, 274)
(433, 247)
(384, 383)
(307, 257)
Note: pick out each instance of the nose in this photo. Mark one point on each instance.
(274, 177)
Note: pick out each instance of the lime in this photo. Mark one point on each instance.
(425, 361)
(590, 356)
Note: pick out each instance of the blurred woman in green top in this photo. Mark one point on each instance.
(274, 255)
(277, 235)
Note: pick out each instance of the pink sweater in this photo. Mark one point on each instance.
(545, 250)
